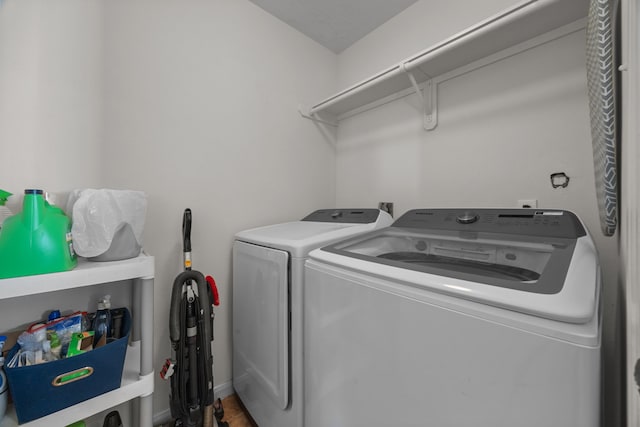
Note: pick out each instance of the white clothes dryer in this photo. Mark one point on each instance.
(268, 266)
(453, 318)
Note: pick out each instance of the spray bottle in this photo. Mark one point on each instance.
(4, 211)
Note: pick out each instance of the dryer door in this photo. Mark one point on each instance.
(260, 324)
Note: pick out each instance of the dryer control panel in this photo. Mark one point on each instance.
(350, 216)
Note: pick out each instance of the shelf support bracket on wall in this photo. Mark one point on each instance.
(315, 119)
(429, 98)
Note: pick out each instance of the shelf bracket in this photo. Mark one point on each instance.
(315, 119)
(429, 98)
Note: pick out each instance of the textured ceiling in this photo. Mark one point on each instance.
(335, 24)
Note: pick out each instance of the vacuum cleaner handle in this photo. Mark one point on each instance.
(186, 238)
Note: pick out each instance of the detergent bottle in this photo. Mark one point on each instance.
(4, 211)
(37, 240)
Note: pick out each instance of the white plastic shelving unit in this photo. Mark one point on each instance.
(138, 375)
(499, 36)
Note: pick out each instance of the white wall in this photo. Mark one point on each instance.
(502, 130)
(193, 102)
(409, 32)
(201, 111)
(50, 94)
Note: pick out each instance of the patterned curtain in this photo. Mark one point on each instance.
(601, 81)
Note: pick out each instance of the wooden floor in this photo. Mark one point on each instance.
(235, 414)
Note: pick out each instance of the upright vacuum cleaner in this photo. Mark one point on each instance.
(191, 333)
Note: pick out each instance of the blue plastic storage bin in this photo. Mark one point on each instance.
(41, 389)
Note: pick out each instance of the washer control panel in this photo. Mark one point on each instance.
(537, 222)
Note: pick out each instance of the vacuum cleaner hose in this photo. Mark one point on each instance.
(176, 299)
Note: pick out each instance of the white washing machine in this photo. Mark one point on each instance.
(268, 266)
(452, 318)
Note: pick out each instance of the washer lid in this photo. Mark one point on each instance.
(320, 228)
(529, 264)
(549, 269)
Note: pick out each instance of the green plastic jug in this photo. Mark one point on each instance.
(37, 240)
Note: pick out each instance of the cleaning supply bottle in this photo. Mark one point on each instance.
(102, 322)
(55, 314)
(85, 323)
(55, 345)
(4, 211)
(37, 240)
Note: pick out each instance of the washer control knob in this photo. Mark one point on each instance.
(467, 218)
(336, 214)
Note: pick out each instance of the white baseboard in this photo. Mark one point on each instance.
(223, 390)
(220, 391)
